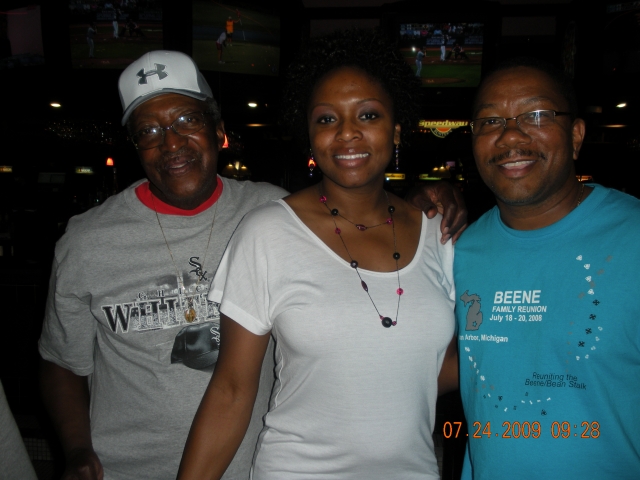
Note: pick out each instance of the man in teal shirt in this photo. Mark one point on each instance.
(548, 329)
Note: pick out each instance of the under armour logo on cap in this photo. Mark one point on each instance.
(158, 71)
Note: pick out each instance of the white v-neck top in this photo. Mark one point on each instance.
(352, 399)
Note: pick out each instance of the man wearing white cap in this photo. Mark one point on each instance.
(129, 340)
(127, 306)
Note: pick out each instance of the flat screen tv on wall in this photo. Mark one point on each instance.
(239, 37)
(443, 53)
(113, 33)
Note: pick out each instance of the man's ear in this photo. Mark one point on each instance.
(220, 134)
(577, 136)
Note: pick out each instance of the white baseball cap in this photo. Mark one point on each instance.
(159, 72)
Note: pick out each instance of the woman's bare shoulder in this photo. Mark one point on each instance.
(302, 199)
(404, 211)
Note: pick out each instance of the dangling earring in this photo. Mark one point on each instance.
(311, 163)
(397, 157)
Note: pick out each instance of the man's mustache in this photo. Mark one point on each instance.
(184, 151)
(517, 153)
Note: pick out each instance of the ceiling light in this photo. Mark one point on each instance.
(55, 104)
(252, 104)
(621, 105)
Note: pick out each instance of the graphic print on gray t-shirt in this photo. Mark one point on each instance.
(197, 343)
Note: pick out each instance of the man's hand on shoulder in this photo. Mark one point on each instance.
(83, 464)
(446, 199)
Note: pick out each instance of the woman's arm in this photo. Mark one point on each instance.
(448, 378)
(224, 413)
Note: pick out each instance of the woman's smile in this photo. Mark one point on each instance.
(351, 156)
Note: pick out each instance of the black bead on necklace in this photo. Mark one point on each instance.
(386, 321)
(360, 226)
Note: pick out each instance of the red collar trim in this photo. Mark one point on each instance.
(149, 200)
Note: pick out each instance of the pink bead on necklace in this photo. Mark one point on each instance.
(386, 321)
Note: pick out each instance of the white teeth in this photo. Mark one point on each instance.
(182, 164)
(519, 164)
(352, 157)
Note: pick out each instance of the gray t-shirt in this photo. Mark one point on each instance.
(116, 312)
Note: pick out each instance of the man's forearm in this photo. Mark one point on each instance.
(66, 398)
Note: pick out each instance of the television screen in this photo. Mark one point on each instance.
(236, 38)
(21, 38)
(112, 34)
(443, 54)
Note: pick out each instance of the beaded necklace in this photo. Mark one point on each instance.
(386, 321)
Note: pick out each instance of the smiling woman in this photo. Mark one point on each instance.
(351, 127)
(352, 283)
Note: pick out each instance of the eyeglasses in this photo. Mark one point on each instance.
(153, 136)
(526, 122)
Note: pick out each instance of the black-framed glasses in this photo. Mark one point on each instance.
(526, 122)
(153, 136)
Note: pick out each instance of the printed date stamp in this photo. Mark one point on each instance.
(524, 430)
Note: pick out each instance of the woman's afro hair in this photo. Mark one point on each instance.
(367, 50)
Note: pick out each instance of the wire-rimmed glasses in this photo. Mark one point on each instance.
(153, 136)
(526, 122)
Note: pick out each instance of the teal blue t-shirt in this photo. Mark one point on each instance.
(549, 341)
